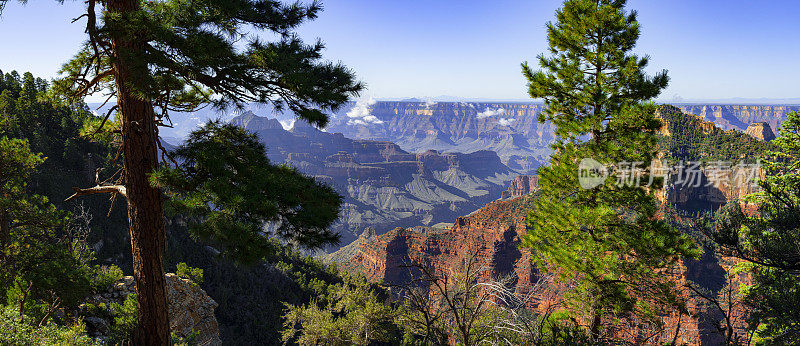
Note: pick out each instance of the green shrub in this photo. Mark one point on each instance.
(105, 276)
(190, 340)
(193, 274)
(125, 319)
(15, 332)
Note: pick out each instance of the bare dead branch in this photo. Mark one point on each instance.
(115, 189)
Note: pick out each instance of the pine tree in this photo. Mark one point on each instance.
(608, 236)
(155, 57)
(226, 189)
(769, 240)
(37, 261)
(17, 163)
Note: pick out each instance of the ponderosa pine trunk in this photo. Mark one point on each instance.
(145, 210)
(5, 229)
(594, 328)
(5, 238)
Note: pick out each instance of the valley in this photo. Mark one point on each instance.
(493, 235)
(416, 163)
(383, 185)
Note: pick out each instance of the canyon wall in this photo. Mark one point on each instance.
(511, 130)
(493, 235)
(383, 185)
(739, 117)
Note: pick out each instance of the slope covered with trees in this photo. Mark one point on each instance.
(690, 138)
(85, 240)
(156, 57)
(766, 241)
(48, 264)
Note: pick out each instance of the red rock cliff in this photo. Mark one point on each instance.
(521, 186)
(494, 233)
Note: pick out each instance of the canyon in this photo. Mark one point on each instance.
(384, 186)
(493, 233)
(402, 164)
(511, 129)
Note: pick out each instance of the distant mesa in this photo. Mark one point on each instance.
(521, 142)
(760, 131)
(738, 116)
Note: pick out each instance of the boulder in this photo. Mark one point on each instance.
(191, 310)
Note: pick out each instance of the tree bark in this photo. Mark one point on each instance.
(5, 229)
(594, 328)
(145, 211)
(5, 240)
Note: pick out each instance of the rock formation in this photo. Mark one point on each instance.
(760, 131)
(714, 187)
(739, 116)
(492, 233)
(191, 310)
(521, 186)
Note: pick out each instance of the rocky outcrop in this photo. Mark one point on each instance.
(191, 310)
(711, 187)
(760, 131)
(493, 233)
(521, 186)
(699, 183)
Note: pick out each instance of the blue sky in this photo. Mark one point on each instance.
(713, 49)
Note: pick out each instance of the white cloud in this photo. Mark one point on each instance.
(360, 114)
(287, 124)
(429, 102)
(506, 121)
(490, 113)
